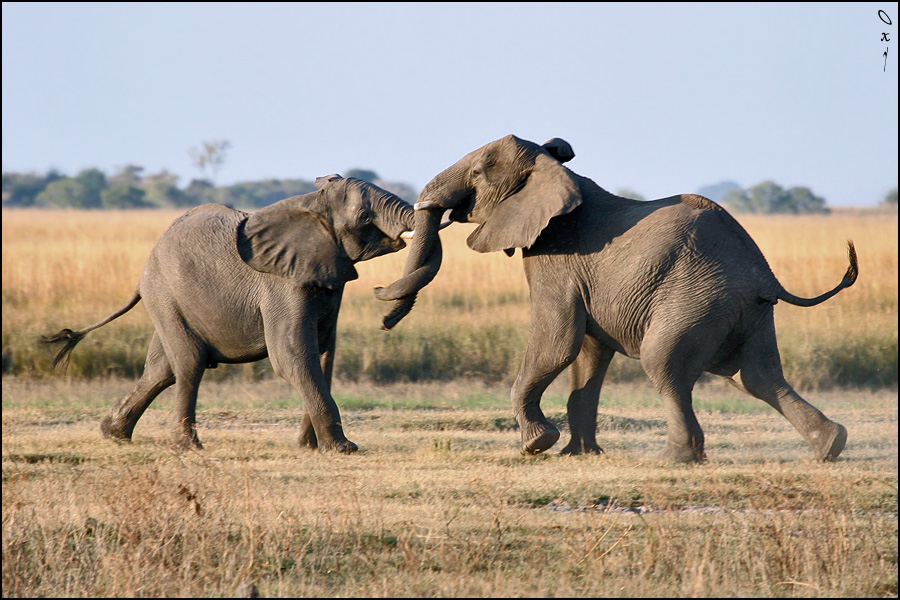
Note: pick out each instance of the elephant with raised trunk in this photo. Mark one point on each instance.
(225, 286)
(675, 283)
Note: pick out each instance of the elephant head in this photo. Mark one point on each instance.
(314, 240)
(510, 187)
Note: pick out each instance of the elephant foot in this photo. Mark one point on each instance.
(187, 441)
(308, 440)
(113, 432)
(683, 454)
(575, 447)
(537, 437)
(343, 447)
(829, 442)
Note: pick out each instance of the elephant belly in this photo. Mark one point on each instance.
(233, 340)
(612, 339)
(226, 320)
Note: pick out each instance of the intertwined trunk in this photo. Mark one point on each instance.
(448, 190)
(422, 265)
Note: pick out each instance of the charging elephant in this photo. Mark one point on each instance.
(676, 283)
(224, 286)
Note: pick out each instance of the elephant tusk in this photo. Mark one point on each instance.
(426, 205)
(408, 235)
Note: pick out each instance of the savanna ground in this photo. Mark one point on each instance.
(438, 501)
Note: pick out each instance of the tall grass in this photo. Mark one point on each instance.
(70, 268)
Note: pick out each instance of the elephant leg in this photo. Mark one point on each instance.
(587, 372)
(296, 358)
(187, 382)
(663, 356)
(326, 361)
(762, 376)
(553, 344)
(123, 416)
(188, 357)
(685, 442)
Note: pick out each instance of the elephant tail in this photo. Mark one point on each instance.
(849, 279)
(71, 338)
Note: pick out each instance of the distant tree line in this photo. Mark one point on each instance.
(766, 198)
(770, 198)
(129, 188)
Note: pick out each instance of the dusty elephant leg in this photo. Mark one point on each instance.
(307, 433)
(307, 437)
(587, 371)
(673, 358)
(303, 371)
(119, 423)
(685, 441)
(553, 343)
(188, 358)
(186, 387)
(762, 376)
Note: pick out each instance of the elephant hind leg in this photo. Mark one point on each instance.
(119, 423)
(762, 376)
(674, 379)
(685, 441)
(587, 374)
(188, 357)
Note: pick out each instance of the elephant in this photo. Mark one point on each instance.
(225, 286)
(676, 283)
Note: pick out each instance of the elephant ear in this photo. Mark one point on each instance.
(517, 221)
(293, 240)
(559, 149)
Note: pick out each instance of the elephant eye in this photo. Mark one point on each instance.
(365, 217)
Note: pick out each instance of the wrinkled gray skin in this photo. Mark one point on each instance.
(224, 286)
(675, 283)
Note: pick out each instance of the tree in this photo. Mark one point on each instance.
(162, 190)
(629, 193)
(83, 191)
(22, 190)
(210, 157)
(890, 199)
(124, 195)
(363, 174)
(93, 182)
(770, 198)
(802, 201)
(199, 191)
(124, 190)
(717, 191)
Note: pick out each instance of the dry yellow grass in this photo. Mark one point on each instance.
(70, 268)
(438, 503)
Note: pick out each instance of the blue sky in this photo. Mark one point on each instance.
(658, 98)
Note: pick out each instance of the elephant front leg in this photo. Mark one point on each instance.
(552, 346)
(321, 424)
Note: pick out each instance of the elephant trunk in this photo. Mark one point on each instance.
(448, 190)
(393, 216)
(421, 267)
